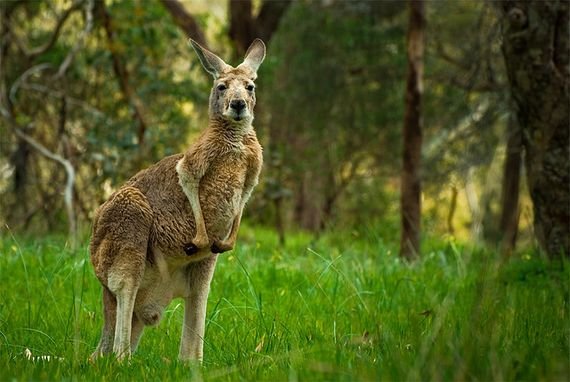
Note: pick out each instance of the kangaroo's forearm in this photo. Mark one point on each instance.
(232, 237)
(194, 199)
(189, 179)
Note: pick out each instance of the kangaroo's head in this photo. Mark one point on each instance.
(233, 95)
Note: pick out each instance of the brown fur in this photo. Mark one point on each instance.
(141, 235)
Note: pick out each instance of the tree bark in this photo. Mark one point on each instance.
(241, 24)
(536, 45)
(185, 21)
(244, 27)
(508, 224)
(268, 18)
(410, 199)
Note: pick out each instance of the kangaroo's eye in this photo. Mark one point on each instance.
(250, 87)
(222, 87)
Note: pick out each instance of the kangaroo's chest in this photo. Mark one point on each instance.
(224, 179)
(221, 191)
(220, 195)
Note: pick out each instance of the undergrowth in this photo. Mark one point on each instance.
(340, 307)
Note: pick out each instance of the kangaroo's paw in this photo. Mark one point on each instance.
(221, 247)
(195, 245)
(201, 241)
(190, 249)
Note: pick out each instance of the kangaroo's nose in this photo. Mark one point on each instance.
(237, 104)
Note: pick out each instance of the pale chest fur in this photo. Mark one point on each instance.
(221, 191)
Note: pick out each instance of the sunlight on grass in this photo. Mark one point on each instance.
(336, 308)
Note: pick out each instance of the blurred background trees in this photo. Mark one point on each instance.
(92, 91)
(412, 134)
(536, 47)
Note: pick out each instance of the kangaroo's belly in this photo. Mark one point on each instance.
(167, 278)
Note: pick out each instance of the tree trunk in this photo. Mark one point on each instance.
(508, 224)
(269, 16)
(20, 159)
(410, 199)
(279, 227)
(452, 209)
(185, 21)
(244, 27)
(308, 208)
(241, 27)
(536, 50)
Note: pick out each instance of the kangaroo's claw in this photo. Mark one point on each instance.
(190, 249)
(218, 247)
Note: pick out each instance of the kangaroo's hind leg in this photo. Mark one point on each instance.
(109, 316)
(125, 289)
(137, 328)
(118, 252)
(199, 276)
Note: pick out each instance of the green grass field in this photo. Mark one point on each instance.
(338, 308)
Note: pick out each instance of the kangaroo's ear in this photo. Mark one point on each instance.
(212, 63)
(254, 55)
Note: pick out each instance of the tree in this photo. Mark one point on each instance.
(73, 83)
(536, 48)
(510, 212)
(464, 110)
(244, 27)
(185, 21)
(14, 113)
(410, 199)
(332, 96)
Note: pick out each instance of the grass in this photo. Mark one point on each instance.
(342, 307)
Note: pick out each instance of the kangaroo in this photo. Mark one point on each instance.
(158, 237)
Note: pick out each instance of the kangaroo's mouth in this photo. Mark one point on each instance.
(236, 116)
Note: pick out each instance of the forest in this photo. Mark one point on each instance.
(412, 217)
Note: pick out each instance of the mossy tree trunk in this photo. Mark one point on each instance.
(536, 50)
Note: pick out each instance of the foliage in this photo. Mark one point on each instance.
(86, 114)
(339, 306)
(332, 103)
(333, 96)
(330, 109)
(343, 307)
